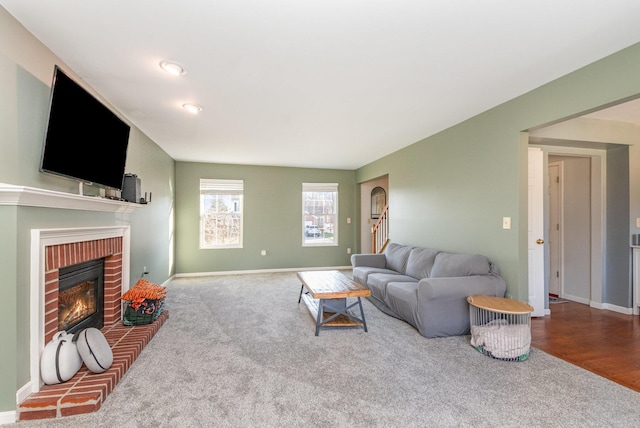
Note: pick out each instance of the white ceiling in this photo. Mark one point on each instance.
(628, 112)
(310, 83)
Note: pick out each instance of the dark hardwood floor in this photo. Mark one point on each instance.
(604, 342)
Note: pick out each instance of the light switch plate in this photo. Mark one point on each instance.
(506, 222)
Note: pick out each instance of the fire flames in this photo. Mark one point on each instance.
(75, 304)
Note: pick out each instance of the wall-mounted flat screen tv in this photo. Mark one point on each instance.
(85, 140)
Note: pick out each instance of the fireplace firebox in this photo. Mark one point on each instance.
(81, 296)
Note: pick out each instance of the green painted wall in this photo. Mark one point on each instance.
(272, 218)
(26, 68)
(8, 309)
(451, 191)
(619, 264)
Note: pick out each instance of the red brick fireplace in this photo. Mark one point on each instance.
(63, 255)
(50, 251)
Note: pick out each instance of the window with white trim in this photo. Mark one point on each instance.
(221, 213)
(319, 214)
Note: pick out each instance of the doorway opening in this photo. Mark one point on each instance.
(606, 136)
(591, 258)
(367, 212)
(569, 228)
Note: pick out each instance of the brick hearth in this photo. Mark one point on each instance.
(86, 391)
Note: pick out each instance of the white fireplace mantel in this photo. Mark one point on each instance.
(34, 197)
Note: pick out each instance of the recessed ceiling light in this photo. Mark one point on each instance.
(192, 108)
(173, 67)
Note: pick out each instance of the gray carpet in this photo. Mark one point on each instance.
(239, 351)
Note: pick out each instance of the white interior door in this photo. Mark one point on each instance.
(536, 232)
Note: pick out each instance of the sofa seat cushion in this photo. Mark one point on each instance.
(449, 265)
(420, 262)
(402, 299)
(377, 283)
(361, 273)
(397, 256)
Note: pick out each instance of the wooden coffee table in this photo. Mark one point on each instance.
(328, 291)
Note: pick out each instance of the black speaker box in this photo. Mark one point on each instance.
(131, 188)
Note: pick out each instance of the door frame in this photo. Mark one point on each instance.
(365, 209)
(598, 214)
(556, 246)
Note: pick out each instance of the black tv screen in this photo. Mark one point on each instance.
(84, 140)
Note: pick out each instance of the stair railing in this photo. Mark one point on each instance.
(380, 232)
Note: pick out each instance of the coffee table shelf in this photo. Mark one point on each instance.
(339, 321)
(326, 298)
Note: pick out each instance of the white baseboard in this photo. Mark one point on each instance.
(8, 417)
(24, 392)
(21, 395)
(241, 272)
(616, 308)
(164, 284)
(576, 299)
(596, 305)
(599, 305)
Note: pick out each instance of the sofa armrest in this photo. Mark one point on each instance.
(442, 302)
(369, 260)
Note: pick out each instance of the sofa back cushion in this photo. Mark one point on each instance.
(397, 256)
(449, 265)
(421, 262)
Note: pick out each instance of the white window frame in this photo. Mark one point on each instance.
(320, 187)
(214, 186)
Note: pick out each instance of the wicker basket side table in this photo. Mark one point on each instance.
(500, 327)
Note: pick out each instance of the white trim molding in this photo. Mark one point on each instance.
(34, 197)
(8, 417)
(635, 299)
(40, 239)
(243, 272)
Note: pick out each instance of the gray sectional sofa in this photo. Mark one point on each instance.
(427, 288)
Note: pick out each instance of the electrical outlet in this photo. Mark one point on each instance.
(348, 220)
(263, 252)
(506, 222)
(348, 250)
